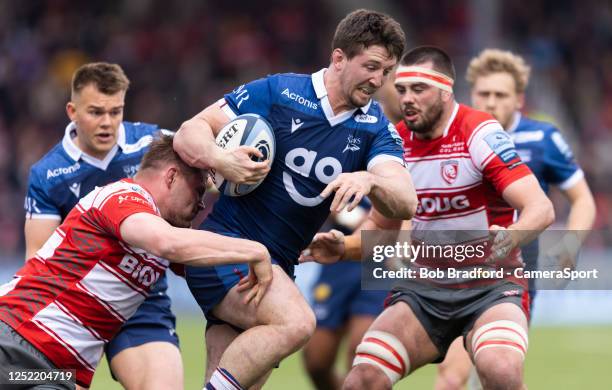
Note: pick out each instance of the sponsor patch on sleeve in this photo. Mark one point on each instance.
(502, 145)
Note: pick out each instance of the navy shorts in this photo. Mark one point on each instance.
(209, 285)
(337, 295)
(153, 321)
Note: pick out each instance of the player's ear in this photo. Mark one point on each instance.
(446, 96)
(170, 176)
(338, 58)
(71, 111)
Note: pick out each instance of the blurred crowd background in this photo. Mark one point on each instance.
(182, 56)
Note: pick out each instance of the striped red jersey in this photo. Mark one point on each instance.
(85, 282)
(460, 176)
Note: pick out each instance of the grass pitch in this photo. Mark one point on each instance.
(558, 358)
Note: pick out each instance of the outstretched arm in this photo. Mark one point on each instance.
(329, 247)
(197, 248)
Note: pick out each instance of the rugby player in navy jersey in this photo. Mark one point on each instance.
(99, 148)
(498, 80)
(334, 146)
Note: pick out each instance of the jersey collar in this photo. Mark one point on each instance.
(319, 86)
(76, 154)
(516, 119)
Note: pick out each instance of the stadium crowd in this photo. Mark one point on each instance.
(179, 57)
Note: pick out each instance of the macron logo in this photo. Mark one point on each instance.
(296, 124)
(75, 188)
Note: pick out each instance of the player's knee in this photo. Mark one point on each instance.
(385, 352)
(499, 350)
(299, 328)
(366, 376)
(500, 371)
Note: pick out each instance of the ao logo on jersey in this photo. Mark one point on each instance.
(302, 161)
(247, 129)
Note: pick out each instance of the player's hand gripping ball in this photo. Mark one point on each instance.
(251, 130)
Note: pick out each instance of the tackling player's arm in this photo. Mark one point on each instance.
(197, 247)
(195, 143)
(329, 247)
(36, 232)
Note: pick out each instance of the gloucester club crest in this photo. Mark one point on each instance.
(449, 170)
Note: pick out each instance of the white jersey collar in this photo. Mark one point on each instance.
(76, 154)
(318, 83)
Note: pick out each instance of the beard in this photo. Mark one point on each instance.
(428, 119)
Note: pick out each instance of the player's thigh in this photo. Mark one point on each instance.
(283, 303)
(154, 365)
(218, 338)
(399, 320)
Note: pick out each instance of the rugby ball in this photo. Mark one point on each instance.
(247, 129)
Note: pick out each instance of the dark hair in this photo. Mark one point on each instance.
(364, 28)
(108, 78)
(161, 153)
(441, 61)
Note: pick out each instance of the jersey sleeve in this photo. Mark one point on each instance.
(560, 166)
(386, 146)
(252, 98)
(495, 155)
(114, 210)
(38, 203)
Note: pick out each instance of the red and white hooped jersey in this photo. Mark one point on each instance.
(85, 282)
(460, 176)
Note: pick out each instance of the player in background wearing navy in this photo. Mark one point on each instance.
(99, 148)
(342, 308)
(330, 138)
(421, 320)
(498, 80)
(95, 270)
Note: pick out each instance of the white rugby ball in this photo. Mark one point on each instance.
(246, 129)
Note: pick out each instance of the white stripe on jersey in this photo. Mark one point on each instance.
(43, 216)
(9, 286)
(427, 174)
(476, 221)
(78, 340)
(49, 247)
(110, 288)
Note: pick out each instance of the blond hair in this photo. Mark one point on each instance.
(499, 61)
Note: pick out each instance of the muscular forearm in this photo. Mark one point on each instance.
(195, 143)
(533, 219)
(200, 248)
(394, 196)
